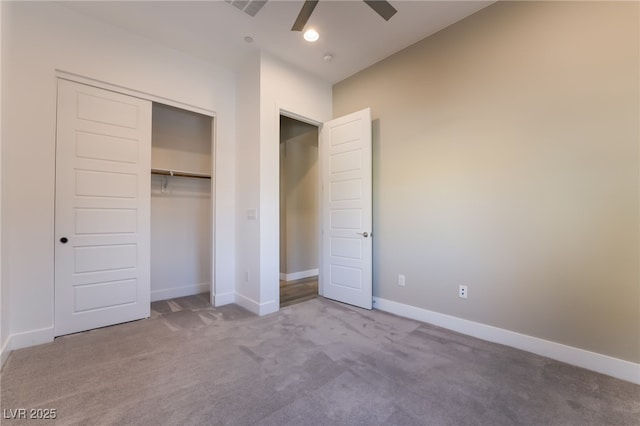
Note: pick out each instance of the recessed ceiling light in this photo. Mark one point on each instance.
(328, 57)
(311, 35)
(248, 39)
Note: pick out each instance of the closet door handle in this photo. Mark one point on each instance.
(364, 234)
(64, 240)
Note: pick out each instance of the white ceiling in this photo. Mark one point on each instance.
(349, 30)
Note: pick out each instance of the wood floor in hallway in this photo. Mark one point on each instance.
(292, 292)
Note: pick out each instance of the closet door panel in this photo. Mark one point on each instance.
(105, 221)
(103, 151)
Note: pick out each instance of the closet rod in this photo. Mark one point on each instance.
(179, 173)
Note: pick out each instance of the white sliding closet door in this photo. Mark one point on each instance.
(103, 149)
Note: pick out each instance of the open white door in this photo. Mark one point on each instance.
(345, 147)
(103, 160)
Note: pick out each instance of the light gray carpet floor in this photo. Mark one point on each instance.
(313, 363)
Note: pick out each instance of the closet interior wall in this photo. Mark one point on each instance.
(181, 216)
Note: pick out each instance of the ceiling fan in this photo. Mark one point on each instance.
(381, 7)
(252, 7)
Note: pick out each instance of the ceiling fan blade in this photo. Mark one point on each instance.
(304, 15)
(382, 8)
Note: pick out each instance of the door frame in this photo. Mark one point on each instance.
(288, 113)
(65, 75)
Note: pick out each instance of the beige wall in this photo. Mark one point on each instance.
(298, 196)
(506, 159)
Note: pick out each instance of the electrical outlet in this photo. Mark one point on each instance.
(462, 291)
(401, 280)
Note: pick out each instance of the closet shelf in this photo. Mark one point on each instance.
(180, 173)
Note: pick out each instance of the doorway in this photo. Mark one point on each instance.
(299, 211)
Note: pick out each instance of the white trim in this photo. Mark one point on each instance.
(223, 299)
(269, 307)
(618, 368)
(255, 307)
(186, 290)
(5, 351)
(65, 75)
(247, 303)
(30, 338)
(299, 275)
(298, 117)
(213, 212)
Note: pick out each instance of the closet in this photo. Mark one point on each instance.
(181, 208)
(133, 206)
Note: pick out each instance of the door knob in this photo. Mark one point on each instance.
(64, 240)
(364, 234)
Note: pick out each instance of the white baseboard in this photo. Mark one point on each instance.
(224, 299)
(618, 368)
(299, 275)
(187, 290)
(26, 339)
(269, 307)
(255, 307)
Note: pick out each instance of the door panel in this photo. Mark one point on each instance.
(103, 161)
(103, 147)
(102, 295)
(346, 179)
(105, 184)
(105, 221)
